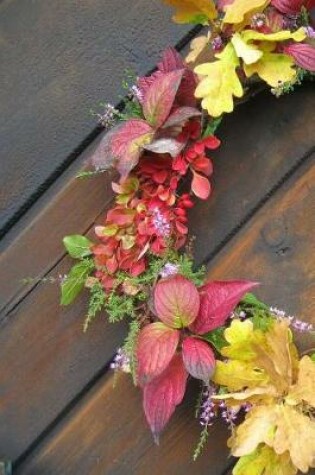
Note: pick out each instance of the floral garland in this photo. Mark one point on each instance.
(180, 324)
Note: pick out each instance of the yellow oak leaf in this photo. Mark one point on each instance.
(252, 35)
(193, 11)
(295, 433)
(196, 47)
(237, 375)
(264, 461)
(240, 337)
(259, 394)
(220, 84)
(304, 389)
(273, 68)
(237, 11)
(249, 53)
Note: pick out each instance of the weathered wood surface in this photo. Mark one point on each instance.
(59, 60)
(55, 361)
(106, 432)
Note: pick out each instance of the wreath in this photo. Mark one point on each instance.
(140, 267)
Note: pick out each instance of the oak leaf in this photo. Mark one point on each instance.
(264, 461)
(273, 68)
(220, 83)
(237, 11)
(193, 11)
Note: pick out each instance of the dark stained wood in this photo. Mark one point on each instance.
(55, 361)
(243, 167)
(106, 433)
(57, 62)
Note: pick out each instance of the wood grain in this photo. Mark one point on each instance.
(106, 432)
(58, 62)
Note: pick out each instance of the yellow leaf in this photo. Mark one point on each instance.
(273, 68)
(259, 394)
(252, 35)
(220, 84)
(237, 375)
(193, 11)
(264, 461)
(240, 337)
(249, 53)
(236, 11)
(196, 47)
(295, 433)
(257, 428)
(304, 389)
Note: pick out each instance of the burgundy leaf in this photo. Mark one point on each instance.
(163, 394)
(217, 301)
(176, 301)
(200, 186)
(160, 96)
(171, 60)
(156, 347)
(303, 55)
(199, 359)
(181, 115)
(292, 7)
(186, 92)
(127, 143)
(166, 145)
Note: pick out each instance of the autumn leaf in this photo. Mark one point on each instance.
(176, 301)
(253, 35)
(197, 45)
(239, 9)
(249, 53)
(156, 347)
(220, 84)
(304, 389)
(180, 116)
(217, 301)
(264, 461)
(160, 97)
(200, 186)
(237, 375)
(198, 358)
(292, 7)
(193, 11)
(273, 68)
(163, 394)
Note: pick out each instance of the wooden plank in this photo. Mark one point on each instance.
(248, 167)
(106, 433)
(58, 61)
(55, 361)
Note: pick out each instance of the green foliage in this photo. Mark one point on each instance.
(211, 127)
(89, 174)
(75, 281)
(130, 347)
(77, 246)
(201, 443)
(119, 306)
(250, 300)
(216, 338)
(288, 87)
(96, 304)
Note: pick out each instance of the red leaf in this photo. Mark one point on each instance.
(217, 301)
(176, 301)
(292, 7)
(127, 142)
(181, 115)
(121, 216)
(156, 347)
(303, 55)
(204, 165)
(211, 142)
(160, 97)
(199, 359)
(171, 60)
(200, 186)
(163, 394)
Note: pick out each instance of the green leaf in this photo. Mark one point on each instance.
(252, 300)
(77, 246)
(216, 338)
(313, 357)
(75, 281)
(211, 127)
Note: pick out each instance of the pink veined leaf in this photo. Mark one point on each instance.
(171, 60)
(199, 359)
(156, 347)
(103, 157)
(217, 301)
(303, 55)
(176, 301)
(186, 92)
(200, 186)
(163, 394)
(166, 145)
(292, 7)
(127, 144)
(181, 115)
(160, 96)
